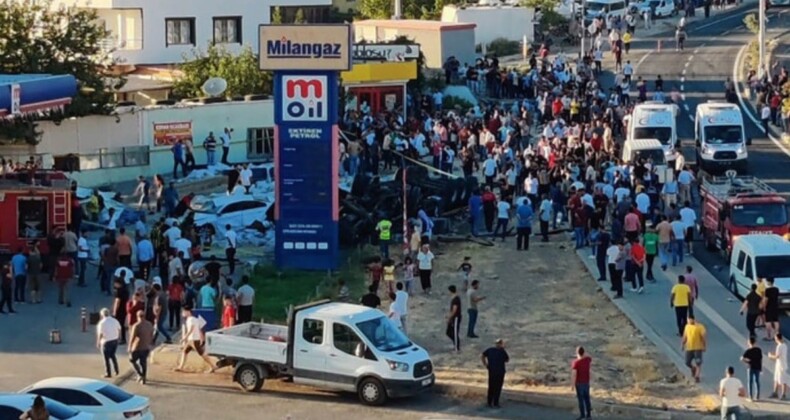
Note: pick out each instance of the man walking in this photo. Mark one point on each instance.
(108, 331)
(245, 297)
(780, 368)
(178, 159)
(83, 252)
(753, 357)
(454, 319)
(19, 274)
(384, 228)
(694, 343)
(230, 248)
(680, 299)
(650, 242)
(731, 390)
(64, 272)
(664, 230)
(494, 359)
(141, 340)
(523, 225)
(193, 339)
(751, 305)
(545, 217)
(580, 382)
(473, 294)
(503, 217)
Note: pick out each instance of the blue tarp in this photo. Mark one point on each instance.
(37, 91)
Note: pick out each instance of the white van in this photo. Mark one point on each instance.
(763, 256)
(633, 150)
(656, 120)
(606, 8)
(720, 137)
(335, 346)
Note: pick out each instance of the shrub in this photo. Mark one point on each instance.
(501, 47)
(454, 102)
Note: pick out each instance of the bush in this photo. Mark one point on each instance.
(454, 102)
(501, 47)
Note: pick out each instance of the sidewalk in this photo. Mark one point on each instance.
(715, 308)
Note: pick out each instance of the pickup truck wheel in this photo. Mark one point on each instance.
(249, 379)
(372, 392)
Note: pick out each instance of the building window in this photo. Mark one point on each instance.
(260, 142)
(180, 31)
(227, 30)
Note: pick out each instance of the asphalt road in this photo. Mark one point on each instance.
(700, 72)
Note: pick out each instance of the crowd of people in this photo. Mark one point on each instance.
(773, 98)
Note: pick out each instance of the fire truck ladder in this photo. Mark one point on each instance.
(60, 208)
(722, 187)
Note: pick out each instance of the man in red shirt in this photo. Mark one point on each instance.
(638, 257)
(580, 382)
(64, 272)
(632, 224)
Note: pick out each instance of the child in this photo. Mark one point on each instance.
(228, 312)
(376, 269)
(408, 273)
(466, 272)
(389, 276)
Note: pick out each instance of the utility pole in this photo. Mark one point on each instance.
(761, 40)
(582, 24)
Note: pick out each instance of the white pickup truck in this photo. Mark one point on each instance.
(335, 346)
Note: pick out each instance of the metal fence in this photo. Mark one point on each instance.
(104, 159)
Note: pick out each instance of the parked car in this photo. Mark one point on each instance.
(105, 401)
(761, 255)
(237, 210)
(13, 405)
(658, 8)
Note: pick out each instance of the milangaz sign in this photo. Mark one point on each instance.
(305, 47)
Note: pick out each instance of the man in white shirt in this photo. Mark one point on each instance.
(731, 390)
(108, 331)
(225, 137)
(83, 252)
(621, 193)
(628, 71)
(230, 248)
(643, 202)
(489, 170)
(173, 234)
(245, 298)
(124, 274)
(193, 339)
(184, 247)
(689, 217)
(679, 233)
(781, 375)
(503, 217)
(401, 305)
(245, 176)
(685, 178)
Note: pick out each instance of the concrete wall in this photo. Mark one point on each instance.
(494, 22)
(460, 44)
(85, 136)
(429, 40)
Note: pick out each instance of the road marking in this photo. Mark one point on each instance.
(697, 50)
(718, 21)
(746, 109)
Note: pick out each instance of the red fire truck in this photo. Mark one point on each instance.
(30, 212)
(739, 205)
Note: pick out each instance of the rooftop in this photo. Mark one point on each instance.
(424, 25)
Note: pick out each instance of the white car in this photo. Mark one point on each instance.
(237, 210)
(105, 401)
(13, 405)
(658, 8)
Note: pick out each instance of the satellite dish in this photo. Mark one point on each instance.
(214, 86)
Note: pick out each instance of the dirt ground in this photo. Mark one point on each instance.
(544, 303)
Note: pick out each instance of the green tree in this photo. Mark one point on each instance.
(299, 16)
(277, 16)
(241, 71)
(376, 9)
(39, 38)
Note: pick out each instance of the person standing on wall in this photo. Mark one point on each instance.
(210, 144)
(494, 359)
(225, 137)
(189, 152)
(178, 159)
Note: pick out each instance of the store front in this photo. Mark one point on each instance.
(378, 87)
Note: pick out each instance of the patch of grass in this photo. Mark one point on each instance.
(276, 290)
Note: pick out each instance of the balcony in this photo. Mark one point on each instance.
(114, 44)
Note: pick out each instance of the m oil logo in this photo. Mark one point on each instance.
(305, 98)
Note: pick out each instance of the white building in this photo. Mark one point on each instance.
(163, 31)
(493, 21)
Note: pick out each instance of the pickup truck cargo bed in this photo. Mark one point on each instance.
(250, 341)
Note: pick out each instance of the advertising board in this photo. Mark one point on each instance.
(306, 165)
(16, 99)
(166, 134)
(305, 47)
(386, 52)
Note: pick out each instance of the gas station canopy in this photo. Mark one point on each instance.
(24, 93)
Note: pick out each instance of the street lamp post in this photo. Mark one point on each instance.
(583, 27)
(761, 40)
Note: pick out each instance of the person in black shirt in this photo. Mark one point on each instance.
(602, 245)
(753, 356)
(751, 305)
(771, 305)
(371, 300)
(121, 296)
(454, 319)
(213, 268)
(494, 359)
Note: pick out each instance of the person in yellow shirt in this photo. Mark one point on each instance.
(627, 41)
(694, 343)
(681, 299)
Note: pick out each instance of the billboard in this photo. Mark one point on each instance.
(305, 47)
(166, 134)
(386, 52)
(306, 165)
(16, 99)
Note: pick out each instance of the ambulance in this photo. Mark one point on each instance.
(720, 137)
(656, 120)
